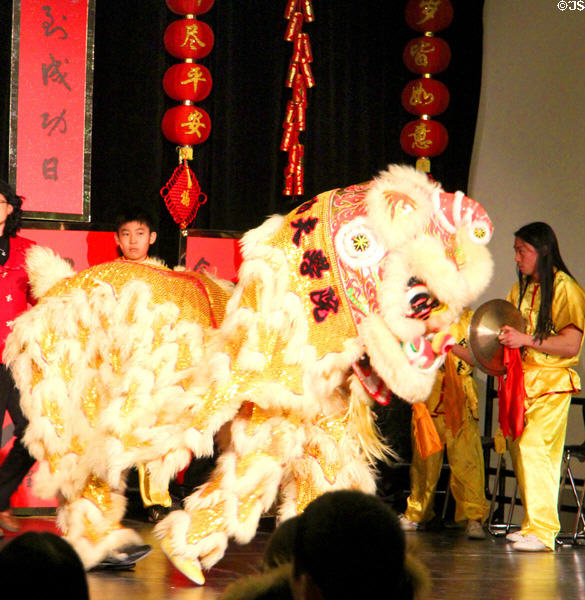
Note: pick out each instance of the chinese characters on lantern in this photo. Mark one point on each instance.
(50, 135)
(426, 97)
(187, 125)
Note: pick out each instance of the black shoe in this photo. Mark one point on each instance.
(157, 513)
(134, 552)
(113, 564)
(129, 555)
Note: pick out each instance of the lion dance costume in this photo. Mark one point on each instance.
(124, 365)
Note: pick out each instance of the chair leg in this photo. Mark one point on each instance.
(491, 528)
(512, 506)
(565, 473)
(578, 496)
(494, 492)
(446, 502)
(579, 516)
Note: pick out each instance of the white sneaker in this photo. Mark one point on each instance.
(407, 525)
(514, 536)
(530, 543)
(475, 530)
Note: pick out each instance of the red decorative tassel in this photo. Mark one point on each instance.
(182, 195)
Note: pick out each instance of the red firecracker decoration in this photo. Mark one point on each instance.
(426, 97)
(299, 78)
(186, 125)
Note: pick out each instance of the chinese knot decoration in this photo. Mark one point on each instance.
(299, 78)
(186, 124)
(426, 97)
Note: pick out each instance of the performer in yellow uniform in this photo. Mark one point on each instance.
(453, 408)
(553, 306)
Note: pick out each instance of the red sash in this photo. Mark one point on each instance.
(511, 395)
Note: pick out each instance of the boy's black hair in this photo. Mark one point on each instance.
(134, 213)
(14, 219)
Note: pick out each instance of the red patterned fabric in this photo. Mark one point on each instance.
(14, 288)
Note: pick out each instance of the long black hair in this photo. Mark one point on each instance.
(542, 237)
(14, 219)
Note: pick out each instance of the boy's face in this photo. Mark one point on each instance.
(135, 239)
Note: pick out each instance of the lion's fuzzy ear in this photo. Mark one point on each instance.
(400, 204)
(45, 268)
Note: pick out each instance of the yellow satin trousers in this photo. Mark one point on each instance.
(151, 496)
(467, 479)
(537, 456)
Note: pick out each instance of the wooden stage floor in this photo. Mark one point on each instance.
(460, 568)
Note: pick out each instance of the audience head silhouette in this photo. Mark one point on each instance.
(41, 564)
(348, 545)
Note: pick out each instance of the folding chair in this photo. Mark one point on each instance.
(497, 494)
(573, 451)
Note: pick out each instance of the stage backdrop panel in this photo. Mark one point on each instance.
(215, 252)
(83, 248)
(51, 106)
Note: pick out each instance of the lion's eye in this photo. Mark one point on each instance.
(420, 299)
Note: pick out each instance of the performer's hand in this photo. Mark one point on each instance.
(512, 338)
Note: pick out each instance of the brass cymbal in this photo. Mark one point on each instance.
(485, 325)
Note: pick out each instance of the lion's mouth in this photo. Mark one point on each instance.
(422, 303)
(427, 352)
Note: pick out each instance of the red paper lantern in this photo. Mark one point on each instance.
(425, 96)
(424, 138)
(427, 54)
(189, 7)
(186, 125)
(187, 81)
(429, 15)
(188, 38)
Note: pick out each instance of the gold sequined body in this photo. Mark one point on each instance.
(135, 365)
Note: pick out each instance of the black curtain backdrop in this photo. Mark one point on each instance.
(354, 114)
